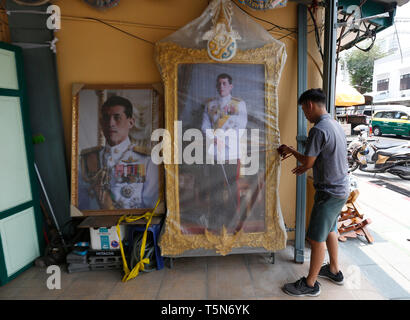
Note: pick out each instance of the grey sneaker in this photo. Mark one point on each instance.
(326, 273)
(301, 289)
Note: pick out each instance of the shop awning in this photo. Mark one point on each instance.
(347, 96)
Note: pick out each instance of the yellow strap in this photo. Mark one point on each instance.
(140, 265)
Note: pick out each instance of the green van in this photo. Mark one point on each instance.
(391, 122)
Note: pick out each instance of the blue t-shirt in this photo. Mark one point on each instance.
(327, 142)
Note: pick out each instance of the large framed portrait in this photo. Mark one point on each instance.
(112, 170)
(223, 194)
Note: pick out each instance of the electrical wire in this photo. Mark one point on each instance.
(134, 24)
(121, 30)
(110, 24)
(368, 31)
(369, 47)
(38, 3)
(317, 35)
(286, 35)
(293, 30)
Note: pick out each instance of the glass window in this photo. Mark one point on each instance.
(397, 115)
(405, 82)
(378, 115)
(389, 115)
(383, 85)
(402, 114)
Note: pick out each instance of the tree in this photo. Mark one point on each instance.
(360, 66)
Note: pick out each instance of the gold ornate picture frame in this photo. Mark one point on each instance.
(174, 241)
(132, 168)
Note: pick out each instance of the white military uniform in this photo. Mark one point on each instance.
(131, 179)
(225, 113)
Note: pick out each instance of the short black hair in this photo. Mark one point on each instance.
(313, 95)
(224, 76)
(119, 101)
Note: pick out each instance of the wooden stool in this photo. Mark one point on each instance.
(351, 223)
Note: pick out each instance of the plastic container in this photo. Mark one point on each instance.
(106, 238)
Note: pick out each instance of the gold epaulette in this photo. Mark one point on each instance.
(91, 150)
(236, 99)
(141, 149)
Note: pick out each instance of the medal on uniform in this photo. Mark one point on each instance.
(126, 191)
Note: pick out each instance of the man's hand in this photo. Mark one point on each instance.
(285, 151)
(307, 162)
(300, 170)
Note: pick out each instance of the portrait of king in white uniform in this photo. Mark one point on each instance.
(120, 173)
(223, 112)
(224, 105)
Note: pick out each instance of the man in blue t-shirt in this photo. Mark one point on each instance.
(326, 153)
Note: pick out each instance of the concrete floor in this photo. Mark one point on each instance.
(372, 271)
(248, 276)
(386, 263)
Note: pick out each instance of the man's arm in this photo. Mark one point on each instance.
(314, 146)
(307, 162)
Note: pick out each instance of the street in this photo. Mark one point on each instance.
(385, 200)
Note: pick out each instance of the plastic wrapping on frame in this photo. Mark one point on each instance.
(221, 74)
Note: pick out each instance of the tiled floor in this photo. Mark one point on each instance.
(248, 276)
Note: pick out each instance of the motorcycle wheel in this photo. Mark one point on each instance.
(405, 177)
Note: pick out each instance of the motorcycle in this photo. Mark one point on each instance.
(369, 157)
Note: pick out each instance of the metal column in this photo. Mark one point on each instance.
(301, 135)
(329, 63)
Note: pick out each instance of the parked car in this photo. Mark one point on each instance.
(391, 122)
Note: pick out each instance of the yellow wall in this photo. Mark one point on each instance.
(90, 52)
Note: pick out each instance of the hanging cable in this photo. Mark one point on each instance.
(369, 34)
(123, 31)
(317, 35)
(369, 47)
(32, 4)
(285, 36)
(293, 30)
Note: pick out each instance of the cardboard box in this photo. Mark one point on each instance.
(106, 238)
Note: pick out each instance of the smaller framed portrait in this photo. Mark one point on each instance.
(112, 172)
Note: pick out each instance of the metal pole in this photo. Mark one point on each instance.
(301, 135)
(329, 63)
(49, 205)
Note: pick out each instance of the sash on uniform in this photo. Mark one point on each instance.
(223, 112)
